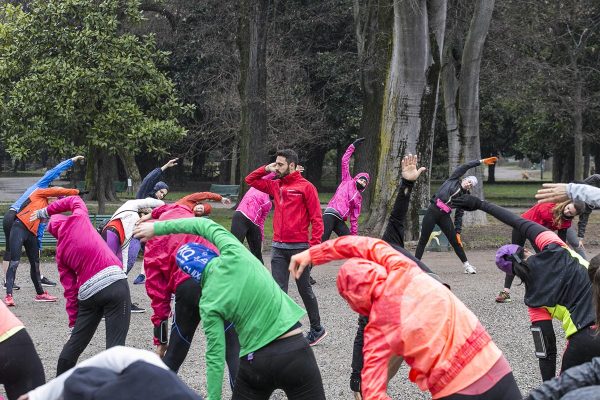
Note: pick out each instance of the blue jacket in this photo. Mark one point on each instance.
(43, 183)
(147, 186)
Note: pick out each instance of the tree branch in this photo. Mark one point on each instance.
(152, 6)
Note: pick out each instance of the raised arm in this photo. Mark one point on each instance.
(71, 203)
(56, 191)
(148, 183)
(462, 169)
(255, 179)
(346, 163)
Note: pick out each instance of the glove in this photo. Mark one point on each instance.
(489, 160)
(358, 141)
(467, 202)
(458, 239)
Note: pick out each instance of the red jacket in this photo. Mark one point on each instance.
(296, 206)
(411, 315)
(162, 274)
(542, 214)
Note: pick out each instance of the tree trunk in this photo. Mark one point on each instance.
(314, 166)
(198, 164)
(578, 131)
(234, 162)
(491, 174)
(252, 45)
(373, 21)
(586, 160)
(131, 168)
(468, 93)
(100, 172)
(409, 106)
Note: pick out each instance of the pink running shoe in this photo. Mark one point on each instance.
(45, 297)
(9, 301)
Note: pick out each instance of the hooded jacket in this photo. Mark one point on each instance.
(296, 206)
(128, 214)
(162, 274)
(80, 251)
(255, 206)
(580, 377)
(347, 199)
(147, 186)
(43, 182)
(411, 315)
(542, 214)
(37, 200)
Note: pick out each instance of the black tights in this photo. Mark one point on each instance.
(333, 224)
(242, 228)
(186, 318)
(21, 236)
(432, 217)
(21, 369)
(505, 389)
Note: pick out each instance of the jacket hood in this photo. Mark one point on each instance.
(363, 175)
(360, 282)
(56, 223)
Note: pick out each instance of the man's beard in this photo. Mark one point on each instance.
(286, 173)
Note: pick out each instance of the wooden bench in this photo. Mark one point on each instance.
(48, 239)
(225, 190)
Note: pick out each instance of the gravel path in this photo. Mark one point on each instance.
(507, 323)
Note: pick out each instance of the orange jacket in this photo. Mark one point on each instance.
(411, 315)
(193, 199)
(37, 200)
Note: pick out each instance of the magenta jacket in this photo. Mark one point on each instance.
(347, 199)
(80, 252)
(255, 206)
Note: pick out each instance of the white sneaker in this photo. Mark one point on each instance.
(469, 269)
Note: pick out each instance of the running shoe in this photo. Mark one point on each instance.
(45, 298)
(141, 278)
(314, 337)
(9, 301)
(15, 286)
(135, 308)
(503, 297)
(469, 269)
(47, 282)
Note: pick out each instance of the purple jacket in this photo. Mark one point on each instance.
(347, 199)
(255, 206)
(80, 252)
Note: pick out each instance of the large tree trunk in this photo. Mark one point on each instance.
(131, 168)
(373, 21)
(409, 105)
(468, 94)
(252, 45)
(314, 166)
(100, 173)
(578, 130)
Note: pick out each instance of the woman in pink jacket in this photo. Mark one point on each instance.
(413, 317)
(249, 219)
(347, 200)
(92, 276)
(21, 369)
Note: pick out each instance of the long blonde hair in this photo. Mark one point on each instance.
(558, 211)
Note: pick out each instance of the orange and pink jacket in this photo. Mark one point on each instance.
(162, 274)
(411, 315)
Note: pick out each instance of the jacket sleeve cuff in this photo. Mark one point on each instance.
(317, 254)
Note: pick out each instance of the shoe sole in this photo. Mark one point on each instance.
(504, 301)
(14, 287)
(48, 285)
(316, 342)
(138, 311)
(45, 301)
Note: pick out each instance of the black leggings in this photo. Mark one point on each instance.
(21, 236)
(505, 389)
(288, 364)
(582, 346)
(21, 369)
(280, 262)
(186, 318)
(333, 224)
(7, 223)
(432, 217)
(242, 228)
(114, 303)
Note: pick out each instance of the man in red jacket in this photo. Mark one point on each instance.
(296, 207)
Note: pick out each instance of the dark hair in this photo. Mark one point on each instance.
(520, 267)
(594, 274)
(290, 155)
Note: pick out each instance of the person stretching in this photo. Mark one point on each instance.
(412, 317)
(24, 232)
(236, 287)
(11, 214)
(557, 285)
(165, 279)
(92, 276)
(556, 217)
(440, 208)
(152, 187)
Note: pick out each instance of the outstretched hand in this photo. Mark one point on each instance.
(300, 168)
(467, 202)
(144, 231)
(552, 193)
(410, 172)
(170, 163)
(358, 141)
(489, 160)
(299, 262)
(225, 201)
(77, 158)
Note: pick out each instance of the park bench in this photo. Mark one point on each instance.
(225, 190)
(48, 239)
(119, 186)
